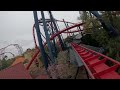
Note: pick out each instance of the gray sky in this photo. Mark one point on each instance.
(16, 26)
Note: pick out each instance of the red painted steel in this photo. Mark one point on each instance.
(33, 58)
(76, 25)
(17, 71)
(104, 68)
(34, 36)
(65, 21)
(51, 38)
(73, 31)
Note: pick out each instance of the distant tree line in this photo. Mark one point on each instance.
(4, 63)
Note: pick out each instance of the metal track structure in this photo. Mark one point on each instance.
(3, 50)
(97, 65)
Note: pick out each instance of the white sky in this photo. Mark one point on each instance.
(16, 26)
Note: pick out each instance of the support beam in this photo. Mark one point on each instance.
(47, 37)
(66, 27)
(61, 42)
(55, 48)
(43, 54)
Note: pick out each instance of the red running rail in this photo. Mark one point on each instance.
(51, 38)
(98, 65)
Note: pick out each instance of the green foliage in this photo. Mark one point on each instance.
(26, 61)
(111, 45)
(90, 21)
(68, 39)
(114, 48)
(40, 58)
(101, 36)
(4, 63)
(87, 39)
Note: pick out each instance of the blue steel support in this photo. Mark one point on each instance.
(43, 54)
(53, 20)
(55, 48)
(65, 46)
(58, 29)
(42, 35)
(109, 28)
(66, 25)
(57, 24)
(47, 37)
(80, 31)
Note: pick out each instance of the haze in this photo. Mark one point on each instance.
(16, 26)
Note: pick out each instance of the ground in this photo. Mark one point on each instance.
(63, 69)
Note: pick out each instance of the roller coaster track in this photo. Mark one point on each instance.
(73, 31)
(105, 68)
(9, 53)
(33, 30)
(98, 65)
(3, 50)
(51, 38)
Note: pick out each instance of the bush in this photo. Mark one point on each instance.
(4, 63)
(113, 48)
(69, 39)
(89, 40)
(101, 36)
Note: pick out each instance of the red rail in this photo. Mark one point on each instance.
(51, 38)
(76, 25)
(98, 65)
(73, 31)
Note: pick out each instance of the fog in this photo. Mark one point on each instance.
(16, 26)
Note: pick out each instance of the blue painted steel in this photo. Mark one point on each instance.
(80, 31)
(42, 34)
(53, 20)
(58, 29)
(55, 48)
(43, 54)
(47, 37)
(66, 25)
(57, 24)
(50, 29)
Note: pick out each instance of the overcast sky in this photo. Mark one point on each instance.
(16, 26)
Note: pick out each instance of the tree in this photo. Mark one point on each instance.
(4, 63)
(111, 45)
(90, 21)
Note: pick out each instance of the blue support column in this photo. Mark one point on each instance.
(65, 46)
(59, 29)
(55, 48)
(47, 37)
(43, 54)
(80, 31)
(66, 25)
(52, 19)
